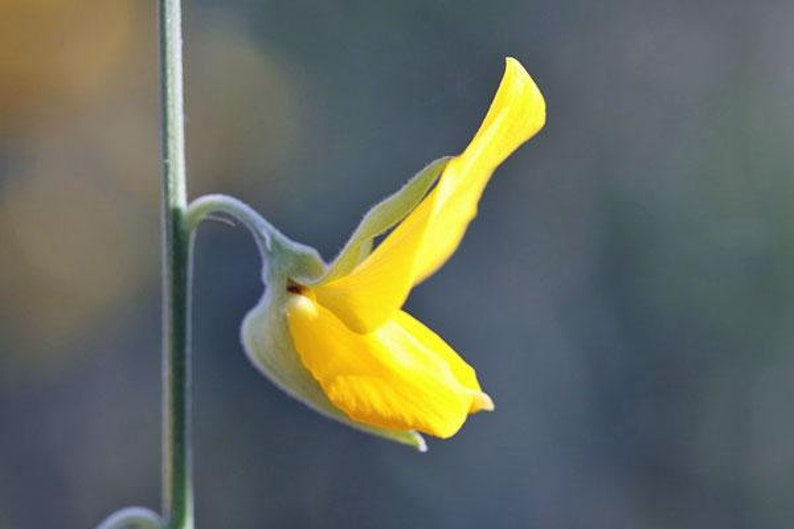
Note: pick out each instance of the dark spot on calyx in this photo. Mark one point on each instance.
(295, 288)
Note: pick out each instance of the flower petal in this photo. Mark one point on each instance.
(425, 239)
(462, 371)
(517, 113)
(267, 341)
(401, 376)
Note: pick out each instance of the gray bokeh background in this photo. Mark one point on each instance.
(625, 294)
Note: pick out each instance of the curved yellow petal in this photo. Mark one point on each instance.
(427, 237)
(400, 376)
(462, 371)
(268, 344)
(517, 113)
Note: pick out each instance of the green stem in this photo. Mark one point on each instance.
(262, 231)
(304, 262)
(177, 470)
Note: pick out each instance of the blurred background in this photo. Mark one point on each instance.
(626, 293)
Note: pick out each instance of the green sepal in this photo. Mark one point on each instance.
(383, 216)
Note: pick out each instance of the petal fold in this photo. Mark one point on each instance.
(268, 344)
(401, 376)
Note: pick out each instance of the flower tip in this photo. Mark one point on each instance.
(518, 76)
(512, 62)
(481, 402)
(421, 445)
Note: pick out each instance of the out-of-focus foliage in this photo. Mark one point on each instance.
(78, 210)
(53, 62)
(636, 334)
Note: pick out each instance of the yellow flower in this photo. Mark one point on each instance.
(360, 358)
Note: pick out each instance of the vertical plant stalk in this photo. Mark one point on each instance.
(177, 467)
